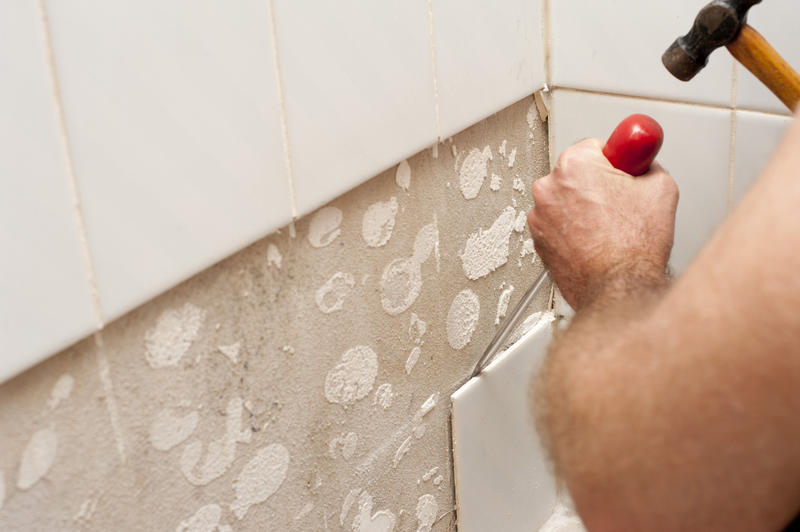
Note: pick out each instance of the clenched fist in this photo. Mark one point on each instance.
(597, 228)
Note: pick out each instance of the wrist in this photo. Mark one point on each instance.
(622, 280)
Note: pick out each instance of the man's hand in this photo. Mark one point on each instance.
(596, 228)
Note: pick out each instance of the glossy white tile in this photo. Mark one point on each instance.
(777, 21)
(358, 86)
(502, 476)
(46, 302)
(757, 137)
(617, 46)
(696, 152)
(488, 55)
(174, 123)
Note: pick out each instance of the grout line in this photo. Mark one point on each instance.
(108, 390)
(667, 100)
(732, 149)
(282, 101)
(435, 72)
(80, 221)
(547, 38)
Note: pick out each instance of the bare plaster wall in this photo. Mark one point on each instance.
(150, 426)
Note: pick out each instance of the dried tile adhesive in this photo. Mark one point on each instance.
(168, 429)
(353, 378)
(401, 281)
(384, 396)
(331, 295)
(231, 351)
(348, 443)
(61, 391)
(378, 222)
(426, 512)
(37, 458)
(485, 251)
(462, 318)
(260, 478)
(173, 334)
(366, 521)
(403, 175)
(324, 226)
(206, 519)
(274, 257)
(473, 172)
(502, 303)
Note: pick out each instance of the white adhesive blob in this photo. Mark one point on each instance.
(366, 521)
(206, 519)
(512, 157)
(426, 512)
(430, 473)
(401, 280)
(260, 478)
(412, 359)
(519, 186)
(403, 175)
(502, 149)
(527, 249)
(502, 303)
(331, 295)
(220, 453)
(531, 116)
(348, 443)
(231, 351)
(462, 318)
(495, 182)
(401, 451)
(378, 222)
(274, 257)
(37, 458)
(173, 334)
(520, 222)
(352, 379)
(417, 327)
(473, 171)
(384, 396)
(324, 226)
(487, 250)
(168, 430)
(347, 504)
(61, 391)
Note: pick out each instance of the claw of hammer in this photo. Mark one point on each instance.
(724, 23)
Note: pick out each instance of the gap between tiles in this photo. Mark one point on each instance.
(435, 68)
(665, 100)
(287, 153)
(80, 222)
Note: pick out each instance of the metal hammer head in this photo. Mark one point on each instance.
(716, 25)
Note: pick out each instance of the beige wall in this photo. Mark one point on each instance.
(81, 435)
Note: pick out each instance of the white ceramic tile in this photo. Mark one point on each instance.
(45, 303)
(696, 152)
(617, 46)
(502, 476)
(488, 55)
(757, 137)
(777, 21)
(358, 83)
(174, 122)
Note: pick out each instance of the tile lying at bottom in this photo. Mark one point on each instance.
(503, 481)
(696, 152)
(757, 137)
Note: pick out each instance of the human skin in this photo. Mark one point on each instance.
(672, 406)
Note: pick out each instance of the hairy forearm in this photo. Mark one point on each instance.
(677, 409)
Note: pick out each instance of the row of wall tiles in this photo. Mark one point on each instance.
(46, 301)
(175, 117)
(619, 51)
(696, 152)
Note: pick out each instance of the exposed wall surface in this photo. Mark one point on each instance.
(278, 390)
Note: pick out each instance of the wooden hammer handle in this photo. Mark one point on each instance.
(752, 50)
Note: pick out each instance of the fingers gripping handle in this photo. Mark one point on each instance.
(634, 144)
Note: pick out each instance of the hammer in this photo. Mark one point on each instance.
(724, 23)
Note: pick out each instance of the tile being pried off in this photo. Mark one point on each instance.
(502, 478)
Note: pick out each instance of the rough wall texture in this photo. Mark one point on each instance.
(274, 391)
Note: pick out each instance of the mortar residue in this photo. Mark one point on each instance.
(37, 458)
(331, 295)
(378, 222)
(173, 334)
(426, 512)
(462, 318)
(352, 379)
(260, 478)
(324, 226)
(403, 175)
(485, 251)
(473, 171)
(168, 429)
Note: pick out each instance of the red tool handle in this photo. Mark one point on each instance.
(634, 144)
